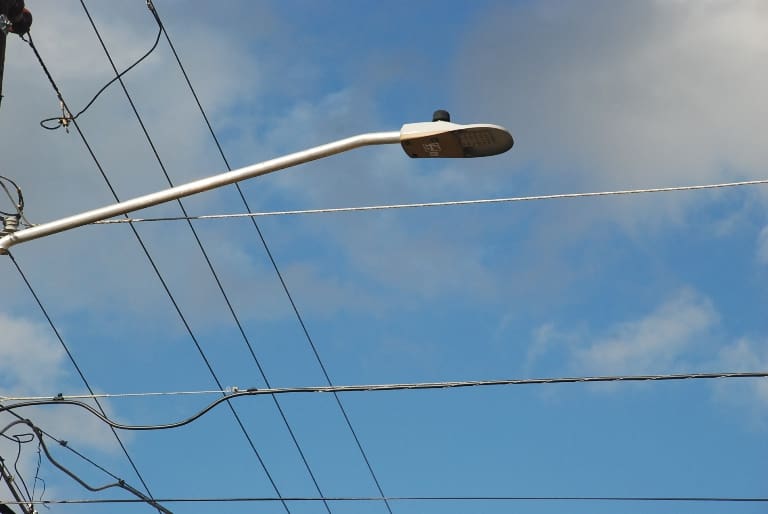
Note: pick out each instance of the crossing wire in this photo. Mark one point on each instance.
(273, 262)
(158, 274)
(202, 249)
(77, 368)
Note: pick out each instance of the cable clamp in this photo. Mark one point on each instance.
(66, 116)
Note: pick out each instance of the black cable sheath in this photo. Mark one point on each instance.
(379, 387)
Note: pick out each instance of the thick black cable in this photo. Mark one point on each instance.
(200, 245)
(19, 500)
(119, 484)
(77, 367)
(379, 387)
(272, 260)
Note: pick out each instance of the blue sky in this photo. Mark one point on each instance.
(599, 96)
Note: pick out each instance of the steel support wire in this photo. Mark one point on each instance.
(273, 261)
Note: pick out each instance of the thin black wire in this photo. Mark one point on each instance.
(67, 117)
(623, 499)
(17, 438)
(37, 478)
(157, 271)
(163, 283)
(38, 434)
(65, 444)
(377, 387)
(200, 245)
(76, 366)
(272, 261)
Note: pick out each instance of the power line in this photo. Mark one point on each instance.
(203, 251)
(237, 391)
(37, 433)
(381, 387)
(76, 366)
(282, 283)
(623, 499)
(117, 395)
(454, 203)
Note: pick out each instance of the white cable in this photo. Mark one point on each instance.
(445, 204)
(229, 390)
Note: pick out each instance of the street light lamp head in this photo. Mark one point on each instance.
(441, 138)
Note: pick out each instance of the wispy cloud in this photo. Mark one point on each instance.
(657, 342)
(624, 94)
(762, 246)
(745, 355)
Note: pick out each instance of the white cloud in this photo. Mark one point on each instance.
(762, 246)
(656, 343)
(745, 355)
(30, 359)
(626, 94)
(33, 363)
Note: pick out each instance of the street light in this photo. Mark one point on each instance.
(438, 138)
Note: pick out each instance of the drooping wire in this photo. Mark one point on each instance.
(37, 477)
(66, 118)
(76, 366)
(273, 262)
(64, 444)
(18, 201)
(121, 484)
(18, 439)
(5, 475)
(381, 387)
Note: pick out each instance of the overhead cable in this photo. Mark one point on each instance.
(77, 368)
(206, 257)
(119, 484)
(454, 203)
(380, 387)
(232, 391)
(623, 499)
(285, 288)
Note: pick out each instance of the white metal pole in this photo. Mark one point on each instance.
(197, 186)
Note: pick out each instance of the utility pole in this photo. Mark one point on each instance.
(14, 17)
